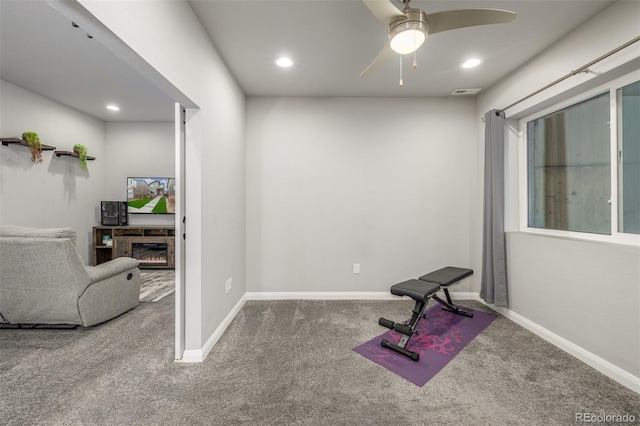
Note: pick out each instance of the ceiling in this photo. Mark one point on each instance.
(333, 41)
(330, 41)
(41, 51)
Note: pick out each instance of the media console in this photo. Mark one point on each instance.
(153, 246)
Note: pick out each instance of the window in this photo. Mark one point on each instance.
(583, 164)
(569, 170)
(629, 158)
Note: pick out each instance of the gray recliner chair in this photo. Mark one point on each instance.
(43, 280)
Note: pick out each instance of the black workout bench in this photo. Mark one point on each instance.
(421, 290)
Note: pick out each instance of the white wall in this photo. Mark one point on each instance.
(592, 302)
(170, 38)
(138, 149)
(336, 181)
(55, 193)
(586, 293)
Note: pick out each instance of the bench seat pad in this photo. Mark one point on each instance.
(447, 276)
(415, 289)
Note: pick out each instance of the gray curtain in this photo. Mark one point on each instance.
(493, 285)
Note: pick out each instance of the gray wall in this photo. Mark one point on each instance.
(584, 292)
(592, 301)
(55, 193)
(138, 149)
(336, 181)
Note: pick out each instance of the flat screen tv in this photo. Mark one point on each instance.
(152, 195)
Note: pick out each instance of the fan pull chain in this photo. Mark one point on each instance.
(415, 60)
(400, 70)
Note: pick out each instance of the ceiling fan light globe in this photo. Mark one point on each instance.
(407, 41)
(408, 34)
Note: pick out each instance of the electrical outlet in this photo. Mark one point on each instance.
(228, 285)
(356, 268)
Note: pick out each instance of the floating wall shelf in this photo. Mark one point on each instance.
(71, 154)
(22, 142)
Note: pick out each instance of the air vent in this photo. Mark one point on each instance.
(465, 92)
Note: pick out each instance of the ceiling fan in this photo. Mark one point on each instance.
(409, 28)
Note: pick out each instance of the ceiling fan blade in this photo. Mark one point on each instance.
(386, 54)
(384, 10)
(454, 19)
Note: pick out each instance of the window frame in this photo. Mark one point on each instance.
(616, 236)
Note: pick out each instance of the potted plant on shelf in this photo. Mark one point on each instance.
(33, 140)
(81, 150)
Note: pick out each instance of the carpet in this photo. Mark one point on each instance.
(155, 285)
(290, 363)
(440, 338)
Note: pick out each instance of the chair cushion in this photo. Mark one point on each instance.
(415, 289)
(447, 276)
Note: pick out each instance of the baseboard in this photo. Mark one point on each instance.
(341, 295)
(321, 295)
(191, 355)
(605, 367)
(199, 355)
(463, 295)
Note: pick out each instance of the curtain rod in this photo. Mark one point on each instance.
(583, 68)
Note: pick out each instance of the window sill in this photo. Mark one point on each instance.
(615, 240)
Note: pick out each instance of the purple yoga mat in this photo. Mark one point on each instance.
(441, 337)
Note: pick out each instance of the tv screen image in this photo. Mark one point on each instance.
(151, 195)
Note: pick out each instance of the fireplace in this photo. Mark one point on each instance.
(150, 254)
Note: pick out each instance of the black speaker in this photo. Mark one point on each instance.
(114, 213)
(124, 213)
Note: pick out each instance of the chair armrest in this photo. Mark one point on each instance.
(114, 289)
(111, 268)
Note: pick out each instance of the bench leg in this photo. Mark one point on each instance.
(449, 306)
(414, 356)
(407, 330)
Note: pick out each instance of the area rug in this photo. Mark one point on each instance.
(155, 285)
(440, 338)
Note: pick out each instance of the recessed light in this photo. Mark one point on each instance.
(471, 63)
(284, 62)
(113, 107)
